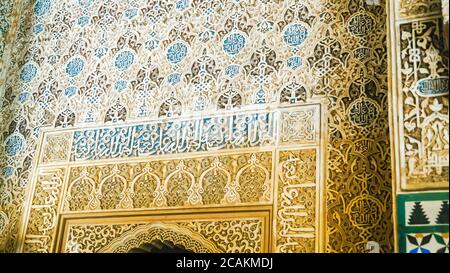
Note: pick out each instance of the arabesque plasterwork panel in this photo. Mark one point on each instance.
(424, 82)
(416, 8)
(296, 215)
(200, 236)
(211, 178)
(233, 179)
(56, 148)
(421, 92)
(44, 211)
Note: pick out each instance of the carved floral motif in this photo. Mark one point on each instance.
(424, 91)
(233, 179)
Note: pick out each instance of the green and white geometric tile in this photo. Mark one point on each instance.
(427, 243)
(423, 222)
(426, 213)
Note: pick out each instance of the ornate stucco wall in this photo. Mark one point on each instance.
(12, 43)
(9, 14)
(86, 62)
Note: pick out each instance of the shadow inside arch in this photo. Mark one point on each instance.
(158, 246)
(161, 238)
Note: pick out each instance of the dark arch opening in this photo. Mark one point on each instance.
(158, 246)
